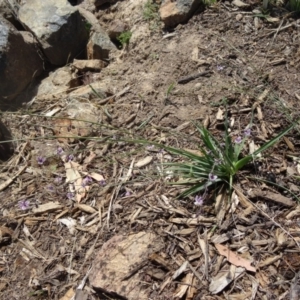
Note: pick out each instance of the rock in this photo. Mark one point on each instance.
(116, 260)
(86, 4)
(116, 28)
(6, 144)
(59, 82)
(89, 65)
(68, 130)
(58, 26)
(99, 46)
(6, 12)
(19, 61)
(174, 12)
(86, 92)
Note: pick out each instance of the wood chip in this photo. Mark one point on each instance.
(278, 198)
(47, 207)
(223, 279)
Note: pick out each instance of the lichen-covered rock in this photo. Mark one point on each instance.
(58, 26)
(19, 61)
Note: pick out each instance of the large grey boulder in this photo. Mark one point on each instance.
(19, 61)
(58, 26)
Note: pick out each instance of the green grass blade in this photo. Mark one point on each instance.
(197, 188)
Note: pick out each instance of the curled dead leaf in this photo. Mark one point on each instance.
(235, 259)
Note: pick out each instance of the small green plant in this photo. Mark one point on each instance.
(151, 14)
(150, 11)
(217, 163)
(209, 2)
(88, 26)
(124, 38)
(170, 89)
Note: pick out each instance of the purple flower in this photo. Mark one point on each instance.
(60, 151)
(50, 188)
(212, 177)
(247, 132)
(238, 140)
(70, 157)
(220, 68)
(86, 181)
(127, 194)
(41, 160)
(58, 180)
(199, 200)
(70, 195)
(102, 182)
(150, 147)
(24, 204)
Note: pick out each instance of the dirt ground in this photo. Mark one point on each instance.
(246, 60)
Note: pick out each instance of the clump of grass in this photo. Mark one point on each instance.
(151, 14)
(217, 163)
(124, 38)
(150, 11)
(294, 5)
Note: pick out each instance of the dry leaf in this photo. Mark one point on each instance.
(289, 144)
(96, 176)
(220, 115)
(68, 295)
(179, 271)
(219, 282)
(72, 171)
(143, 162)
(70, 223)
(182, 288)
(234, 258)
